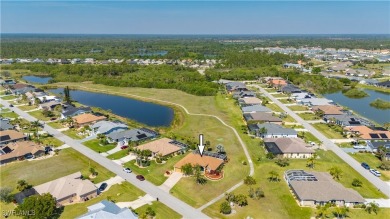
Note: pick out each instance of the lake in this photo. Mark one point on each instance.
(147, 113)
(362, 106)
(37, 79)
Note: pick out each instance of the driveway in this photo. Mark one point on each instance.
(147, 199)
(126, 159)
(110, 182)
(171, 181)
(383, 203)
(327, 143)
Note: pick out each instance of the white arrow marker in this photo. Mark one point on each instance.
(201, 146)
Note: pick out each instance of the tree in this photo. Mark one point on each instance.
(187, 169)
(322, 211)
(93, 171)
(150, 212)
(372, 207)
(5, 194)
(58, 109)
(22, 185)
(274, 176)
(340, 212)
(198, 175)
(225, 208)
(38, 206)
(385, 165)
(270, 156)
(311, 161)
(282, 161)
(357, 183)
(316, 70)
(256, 194)
(249, 181)
(241, 200)
(262, 131)
(67, 98)
(230, 197)
(336, 172)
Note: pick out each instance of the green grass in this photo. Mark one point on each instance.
(360, 213)
(310, 137)
(124, 192)
(293, 126)
(10, 97)
(155, 172)
(327, 131)
(38, 115)
(274, 107)
(308, 116)
(11, 115)
(381, 89)
(52, 141)
(285, 101)
(73, 134)
(118, 155)
(162, 211)
(67, 162)
(288, 119)
(56, 125)
(298, 108)
(279, 95)
(373, 162)
(94, 145)
(27, 107)
(6, 207)
(6, 110)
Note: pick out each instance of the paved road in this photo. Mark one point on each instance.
(378, 183)
(179, 206)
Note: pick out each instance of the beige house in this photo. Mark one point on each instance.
(207, 163)
(288, 147)
(87, 119)
(249, 101)
(19, 150)
(7, 136)
(69, 189)
(163, 147)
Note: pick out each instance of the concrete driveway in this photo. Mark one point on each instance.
(171, 181)
(383, 203)
(110, 182)
(147, 199)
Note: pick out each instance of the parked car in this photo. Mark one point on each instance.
(29, 156)
(11, 105)
(365, 166)
(102, 187)
(124, 147)
(140, 177)
(127, 170)
(375, 172)
(359, 147)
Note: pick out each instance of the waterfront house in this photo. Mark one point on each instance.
(49, 105)
(328, 109)
(107, 127)
(72, 111)
(133, 135)
(163, 147)
(366, 133)
(261, 117)
(87, 119)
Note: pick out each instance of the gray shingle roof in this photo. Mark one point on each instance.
(107, 210)
(5, 125)
(255, 108)
(74, 111)
(132, 135)
(274, 129)
(107, 126)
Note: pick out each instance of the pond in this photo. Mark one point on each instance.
(147, 113)
(362, 105)
(37, 79)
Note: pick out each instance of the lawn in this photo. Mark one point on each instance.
(38, 115)
(124, 192)
(288, 118)
(274, 107)
(373, 162)
(293, 126)
(51, 141)
(56, 125)
(73, 134)
(327, 131)
(95, 145)
(155, 172)
(308, 116)
(278, 201)
(10, 115)
(6, 207)
(162, 211)
(67, 162)
(308, 136)
(298, 108)
(9, 97)
(118, 155)
(27, 107)
(279, 95)
(286, 101)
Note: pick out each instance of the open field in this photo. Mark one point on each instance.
(298, 108)
(162, 211)
(27, 107)
(95, 145)
(274, 107)
(308, 136)
(124, 192)
(38, 114)
(285, 101)
(308, 116)
(67, 162)
(73, 134)
(373, 162)
(328, 132)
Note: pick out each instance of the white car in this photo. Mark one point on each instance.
(375, 172)
(127, 170)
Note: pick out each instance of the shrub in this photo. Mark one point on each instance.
(249, 181)
(225, 208)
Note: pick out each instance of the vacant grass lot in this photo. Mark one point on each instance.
(327, 131)
(162, 211)
(118, 155)
(124, 192)
(38, 114)
(10, 115)
(67, 162)
(298, 108)
(95, 145)
(9, 97)
(308, 116)
(27, 107)
(56, 125)
(73, 134)
(373, 162)
(155, 172)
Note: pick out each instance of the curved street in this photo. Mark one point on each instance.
(378, 183)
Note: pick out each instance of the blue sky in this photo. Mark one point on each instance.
(200, 17)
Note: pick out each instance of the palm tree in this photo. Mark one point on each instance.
(311, 160)
(34, 125)
(274, 176)
(336, 172)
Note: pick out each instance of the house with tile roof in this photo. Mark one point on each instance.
(328, 109)
(207, 163)
(288, 147)
(87, 119)
(249, 101)
(163, 147)
(19, 150)
(8, 136)
(367, 133)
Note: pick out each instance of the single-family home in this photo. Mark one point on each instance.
(87, 119)
(315, 101)
(69, 189)
(235, 86)
(107, 210)
(133, 135)
(369, 82)
(255, 108)
(271, 130)
(288, 147)
(367, 133)
(290, 89)
(343, 120)
(49, 105)
(18, 89)
(20, 150)
(207, 163)
(328, 109)
(300, 96)
(277, 82)
(375, 144)
(107, 127)
(163, 147)
(48, 98)
(384, 84)
(243, 94)
(249, 101)
(318, 188)
(8, 136)
(261, 117)
(72, 111)
(5, 124)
